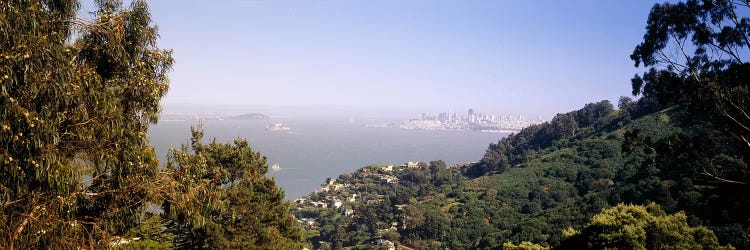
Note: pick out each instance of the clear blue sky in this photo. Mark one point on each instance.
(530, 57)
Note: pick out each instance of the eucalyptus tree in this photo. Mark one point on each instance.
(76, 99)
(698, 52)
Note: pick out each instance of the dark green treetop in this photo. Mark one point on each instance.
(219, 197)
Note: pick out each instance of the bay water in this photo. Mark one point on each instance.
(316, 148)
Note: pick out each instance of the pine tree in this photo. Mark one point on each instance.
(220, 198)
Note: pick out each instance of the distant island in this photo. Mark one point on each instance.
(251, 116)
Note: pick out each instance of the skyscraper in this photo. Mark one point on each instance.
(443, 117)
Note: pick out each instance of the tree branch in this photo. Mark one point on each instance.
(726, 114)
(665, 59)
(10, 203)
(747, 117)
(706, 173)
(25, 222)
(687, 58)
(733, 16)
(713, 45)
(747, 142)
(744, 3)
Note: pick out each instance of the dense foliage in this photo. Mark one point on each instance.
(512, 150)
(76, 100)
(710, 73)
(639, 227)
(219, 197)
(76, 168)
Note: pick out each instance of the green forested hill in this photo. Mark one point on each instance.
(533, 185)
(679, 154)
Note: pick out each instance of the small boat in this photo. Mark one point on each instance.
(275, 167)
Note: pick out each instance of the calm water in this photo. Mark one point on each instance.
(318, 148)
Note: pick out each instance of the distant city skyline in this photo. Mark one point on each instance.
(473, 121)
(471, 115)
(527, 57)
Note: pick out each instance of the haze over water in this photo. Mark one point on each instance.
(319, 146)
(328, 145)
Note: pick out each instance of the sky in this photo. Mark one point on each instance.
(525, 57)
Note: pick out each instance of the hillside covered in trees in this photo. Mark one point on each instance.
(545, 183)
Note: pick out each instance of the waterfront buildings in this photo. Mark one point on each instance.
(472, 121)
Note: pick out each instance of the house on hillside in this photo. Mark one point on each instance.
(337, 203)
(319, 204)
(388, 168)
(330, 181)
(410, 165)
(386, 244)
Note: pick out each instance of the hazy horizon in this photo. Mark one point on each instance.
(526, 57)
(382, 113)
